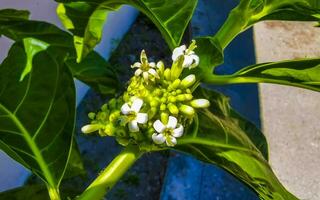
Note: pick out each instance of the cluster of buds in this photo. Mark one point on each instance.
(158, 104)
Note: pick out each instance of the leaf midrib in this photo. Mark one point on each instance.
(35, 150)
(195, 140)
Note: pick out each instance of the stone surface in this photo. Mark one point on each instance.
(290, 116)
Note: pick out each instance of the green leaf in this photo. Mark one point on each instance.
(94, 70)
(210, 54)
(220, 106)
(299, 73)
(37, 114)
(12, 14)
(85, 19)
(75, 165)
(293, 10)
(19, 28)
(36, 192)
(221, 140)
(32, 47)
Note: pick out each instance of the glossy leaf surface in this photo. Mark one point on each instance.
(299, 73)
(210, 54)
(293, 10)
(223, 139)
(37, 114)
(85, 19)
(35, 192)
(94, 70)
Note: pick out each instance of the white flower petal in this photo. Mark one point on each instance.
(142, 118)
(136, 105)
(195, 60)
(171, 141)
(158, 138)
(138, 72)
(153, 72)
(178, 52)
(159, 126)
(137, 64)
(125, 109)
(178, 132)
(172, 122)
(187, 61)
(160, 64)
(152, 65)
(145, 76)
(133, 126)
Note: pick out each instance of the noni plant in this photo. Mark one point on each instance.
(157, 106)
(162, 106)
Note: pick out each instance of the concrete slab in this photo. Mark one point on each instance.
(290, 116)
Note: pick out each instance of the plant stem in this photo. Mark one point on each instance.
(53, 193)
(110, 175)
(235, 24)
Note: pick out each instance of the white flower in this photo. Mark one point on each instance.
(191, 60)
(144, 67)
(133, 114)
(167, 133)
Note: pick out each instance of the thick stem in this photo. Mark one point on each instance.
(110, 175)
(53, 193)
(235, 24)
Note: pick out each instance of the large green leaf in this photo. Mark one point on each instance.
(300, 73)
(220, 105)
(210, 53)
(36, 192)
(37, 114)
(293, 10)
(94, 70)
(85, 19)
(12, 14)
(222, 140)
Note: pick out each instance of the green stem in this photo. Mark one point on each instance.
(110, 175)
(235, 24)
(53, 193)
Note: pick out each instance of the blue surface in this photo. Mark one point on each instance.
(188, 178)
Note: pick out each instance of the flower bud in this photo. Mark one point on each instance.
(173, 109)
(175, 84)
(92, 115)
(200, 103)
(163, 107)
(181, 97)
(114, 116)
(187, 110)
(188, 97)
(104, 107)
(164, 117)
(112, 103)
(167, 74)
(109, 129)
(188, 81)
(154, 103)
(160, 67)
(152, 112)
(177, 68)
(172, 99)
(91, 128)
(163, 99)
